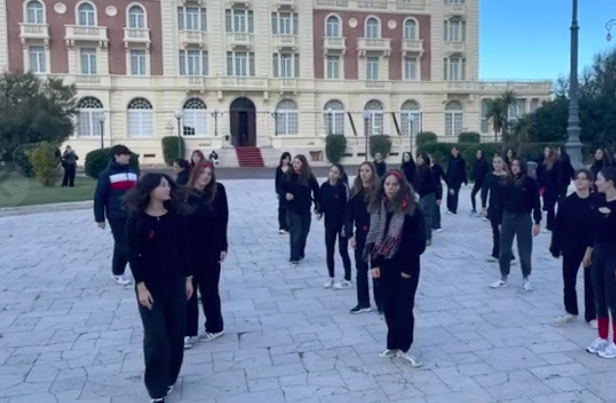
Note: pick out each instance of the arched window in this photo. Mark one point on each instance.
(410, 118)
(334, 117)
(89, 113)
(136, 17)
(454, 118)
(195, 118)
(139, 122)
(410, 29)
(375, 119)
(86, 15)
(372, 28)
(287, 120)
(332, 27)
(35, 13)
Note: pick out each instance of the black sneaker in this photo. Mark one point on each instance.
(359, 309)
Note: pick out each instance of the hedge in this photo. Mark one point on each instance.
(170, 148)
(380, 144)
(21, 159)
(98, 160)
(335, 147)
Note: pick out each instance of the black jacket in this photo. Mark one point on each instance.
(207, 225)
(456, 172)
(439, 175)
(333, 204)
(112, 184)
(410, 173)
(381, 168)
(522, 197)
(359, 218)
(280, 177)
(491, 187)
(427, 182)
(573, 231)
(182, 177)
(565, 174)
(548, 179)
(479, 171)
(303, 194)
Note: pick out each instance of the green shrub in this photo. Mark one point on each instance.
(170, 148)
(425, 138)
(439, 151)
(470, 151)
(21, 159)
(335, 147)
(45, 163)
(97, 161)
(380, 143)
(469, 138)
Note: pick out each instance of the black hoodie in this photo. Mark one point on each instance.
(303, 194)
(427, 182)
(111, 186)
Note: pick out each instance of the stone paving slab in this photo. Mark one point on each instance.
(68, 334)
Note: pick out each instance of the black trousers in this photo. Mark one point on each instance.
(452, 199)
(520, 227)
(476, 189)
(163, 337)
(495, 216)
(428, 207)
(436, 217)
(399, 301)
(282, 216)
(549, 205)
(363, 288)
(331, 234)
(603, 280)
(299, 227)
(572, 261)
(206, 279)
(120, 246)
(69, 175)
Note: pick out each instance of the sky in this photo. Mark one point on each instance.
(529, 39)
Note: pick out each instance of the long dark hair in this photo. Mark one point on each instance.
(283, 156)
(182, 163)
(210, 188)
(343, 176)
(609, 174)
(426, 161)
(512, 177)
(403, 200)
(305, 172)
(410, 161)
(136, 200)
(358, 185)
(200, 154)
(551, 159)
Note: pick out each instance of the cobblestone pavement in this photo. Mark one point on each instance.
(68, 334)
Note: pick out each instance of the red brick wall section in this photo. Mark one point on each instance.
(115, 32)
(351, 59)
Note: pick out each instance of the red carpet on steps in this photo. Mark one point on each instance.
(249, 157)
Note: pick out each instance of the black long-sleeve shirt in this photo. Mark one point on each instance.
(410, 173)
(548, 178)
(333, 204)
(480, 170)
(280, 177)
(605, 221)
(158, 249)
(303, 194)
(207, 225)
(381, 168)
(456, 172)
(439, 174)
(573, 228)
(427, 182)
(491, 187)
(359, 218)
(522, 197)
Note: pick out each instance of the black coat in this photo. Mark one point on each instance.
(456, 172)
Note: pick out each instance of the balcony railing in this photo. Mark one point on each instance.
(454, 47)
(412, 46)
(452, 10)
(334, 44)
(137, 35)
(242, 83)
(240, 3)
(240, 40)
(377, 85)
(90, 80)
(198, 38)
(79, 33)
(462, 86)
(286, 41)
(374, 44)
(283, 3)
(33, 31)
(196, 82)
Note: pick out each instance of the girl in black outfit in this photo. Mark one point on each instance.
(299, 189)
(510, 155)
(281, 172)
(478, 174)
(208, 245)
(333, 204)
(456, 176)
(571, 236)
(548, 177)
(379, 165)
(492, 184)
(439, 175)
(427, 189)
(162, 268)
(181, 167)
(601, 160)
(565, 172)
(519, 198)
(409, 169)
(363, 190)
(602, 255)
(395, 241)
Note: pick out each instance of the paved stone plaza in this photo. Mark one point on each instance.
(69, 334)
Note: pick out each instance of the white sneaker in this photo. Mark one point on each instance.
(564, 319)
(281, 231)
(492, 259)
(439, 230)
(189, 342)
(449, 212)
(545, 230)
(409, 358)
(388, 354)
(343, 285)
(526, 285)
(499, 284)
(210, 336)
(473, 213)
(593, 324)
(597, 345)
(484, 219)
(122, 279)
(609, 352)
(329, 283)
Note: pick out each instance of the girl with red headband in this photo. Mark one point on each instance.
(395, 242)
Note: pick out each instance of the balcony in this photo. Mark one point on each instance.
(195, 83)
(34, 32)
(287, 85)
(454, 48)
(377, 85)
(286, 42)
(78, 33)
(374, 45)
(240, 3)
(334, 45)
(242, 83)
(462, 87)
(412, 47)
(455, 10)
(137, 36)
(194, 38)
(91, 81)
(240, 40)
(192, 2)
(410, 5)
(284, 4)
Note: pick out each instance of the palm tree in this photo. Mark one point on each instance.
(522, 130)
(508, 99)
(495, 115)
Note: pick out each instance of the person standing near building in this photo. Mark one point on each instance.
(112, 185)
(69, 164)
(427, 189)
(379, 165)
(549, 180)
(490, 202)
(478, 174)
(409, 168)
(439, 175)
(281, 173)
(456, 176)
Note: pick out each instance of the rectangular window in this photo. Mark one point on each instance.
(372, 68)
(87, 58)
(333, 67)
(241, 64)
(534, 104)
(38, 59)
(455, 69)
(137, 62)
(454, 31)
(193, 62)
(410, 69)
(192, 19)
(285, 24)
(285, 65)
(239, 21)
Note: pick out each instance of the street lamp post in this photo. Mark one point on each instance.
(608, 26)
(274, 114)
(573, 145)
(101, 122)
(366, 115)
(410, 119)
(179, 114)
(215, 114)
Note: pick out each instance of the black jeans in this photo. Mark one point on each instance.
(495, 216)
(549, 204)
(436, 217)
(206, 280)
(69, 175)
(604, 283)
(163, 337)
(282, 216)
(120, 245)
(399, 299)
(363, 288)
(452, 199)
(520, 227)
(476, 189)
(343, 247)
(428, 207)
(299, 227)
(571, 265)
